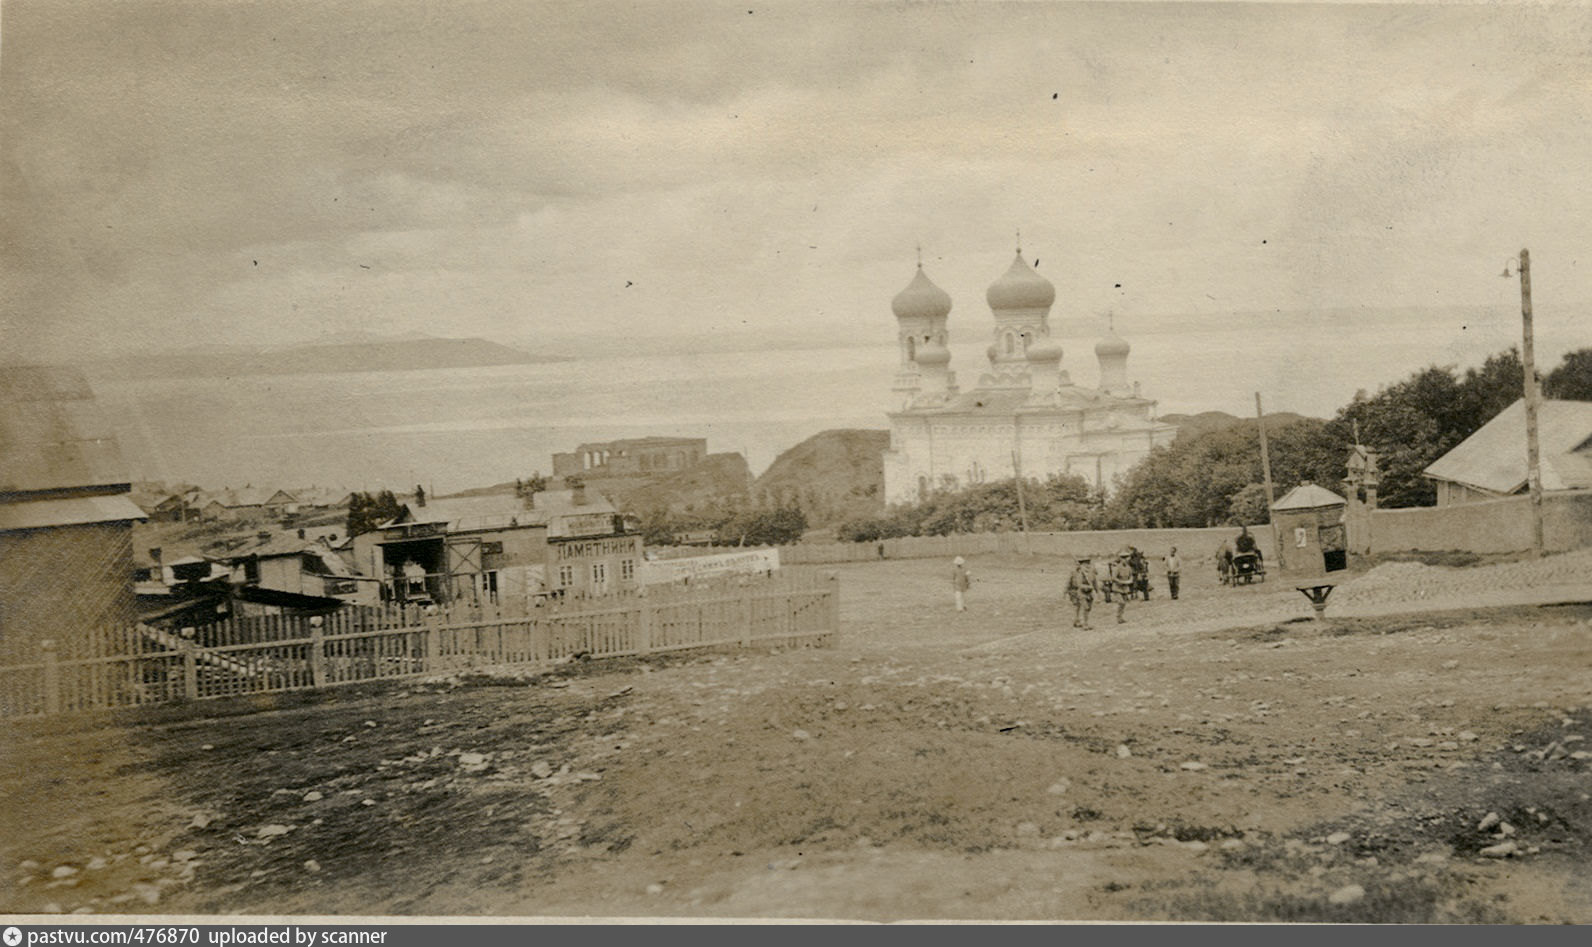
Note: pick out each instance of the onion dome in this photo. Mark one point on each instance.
(1112, 345)
(933, 353)
(1045, 350)
(1020, 288)
(921, 299)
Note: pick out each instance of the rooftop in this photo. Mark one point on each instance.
(54, 434)
(1494, 458)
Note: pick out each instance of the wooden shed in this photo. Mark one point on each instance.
(1311, 539)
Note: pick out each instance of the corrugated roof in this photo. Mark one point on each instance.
(1308, 496)
(76, 511)
(1494, 458)
(52, 433)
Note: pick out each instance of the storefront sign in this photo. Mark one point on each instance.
(598, 548)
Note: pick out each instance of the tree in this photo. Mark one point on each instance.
(530, 487)
(762, 528)
(1248, 506)
(1572, 380)
(366, 511)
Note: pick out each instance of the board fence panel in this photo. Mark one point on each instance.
(136, 665)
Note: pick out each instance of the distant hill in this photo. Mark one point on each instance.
(832, 476)
(719, 481)
(1193, 425)
(390, 355)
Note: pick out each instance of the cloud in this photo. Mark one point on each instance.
(220, 171)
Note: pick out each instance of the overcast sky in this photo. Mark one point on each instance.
(209, 172)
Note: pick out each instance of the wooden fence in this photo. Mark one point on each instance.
(140, 664)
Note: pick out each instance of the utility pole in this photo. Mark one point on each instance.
(1528, 360)
(1265, 469)
(1022, 507)
(1265, 455)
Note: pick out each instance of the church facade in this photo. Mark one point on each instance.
(1024, 414)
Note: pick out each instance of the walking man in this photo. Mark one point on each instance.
(960, 581)
(1122, 582)
(1174, 569)
(1081, 592)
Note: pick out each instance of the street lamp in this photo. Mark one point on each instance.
(1528, 363)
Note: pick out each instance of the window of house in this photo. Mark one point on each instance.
(599, 574)
(492, 548)
(627, 570)
(566, 576)
(489, 580)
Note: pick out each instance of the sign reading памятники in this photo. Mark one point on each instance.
(598, 548)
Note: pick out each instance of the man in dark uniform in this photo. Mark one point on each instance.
(1081, 592)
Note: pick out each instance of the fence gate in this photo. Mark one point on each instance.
(464, 562)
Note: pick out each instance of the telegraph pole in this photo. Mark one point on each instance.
(1022, 507)
(1265, 456)
(1265, 469)
(1528, 360)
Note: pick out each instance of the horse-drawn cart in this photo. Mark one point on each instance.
(1247, 568)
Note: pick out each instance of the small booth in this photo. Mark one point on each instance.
(1311, 539)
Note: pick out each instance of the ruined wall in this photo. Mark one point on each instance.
(1486, 526)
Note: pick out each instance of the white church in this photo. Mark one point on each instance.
(1025, 414)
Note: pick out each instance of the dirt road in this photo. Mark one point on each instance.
(1210, 759)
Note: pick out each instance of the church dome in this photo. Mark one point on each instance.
(1020, 288)
(1045, 350)
(921, 299)
(933, 353)
(1111, 345)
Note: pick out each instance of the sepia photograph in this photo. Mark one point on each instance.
(911, 461)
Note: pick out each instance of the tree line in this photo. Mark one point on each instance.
(1216, 478)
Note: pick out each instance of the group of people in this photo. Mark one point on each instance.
(1127, 573)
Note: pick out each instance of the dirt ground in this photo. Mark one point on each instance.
(1419, 757)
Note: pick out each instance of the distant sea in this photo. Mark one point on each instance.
(450, 429)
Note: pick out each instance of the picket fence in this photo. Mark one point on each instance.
(140, 664)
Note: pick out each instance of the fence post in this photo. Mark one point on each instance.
(745, 612)
(190, 671)
(52, 678)
(317, 653)
(428, 660)
(644, 623)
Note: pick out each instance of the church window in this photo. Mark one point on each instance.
(923, 488)
(1009, 343)
(912, 348)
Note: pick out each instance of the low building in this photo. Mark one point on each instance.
(483, 549)
(1311, 535)
(1491, 463)
(247, 501)
(636, 457)
(66, 544)
(299, 566)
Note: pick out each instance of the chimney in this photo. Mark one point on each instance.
(154, 555)
(577, 494)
